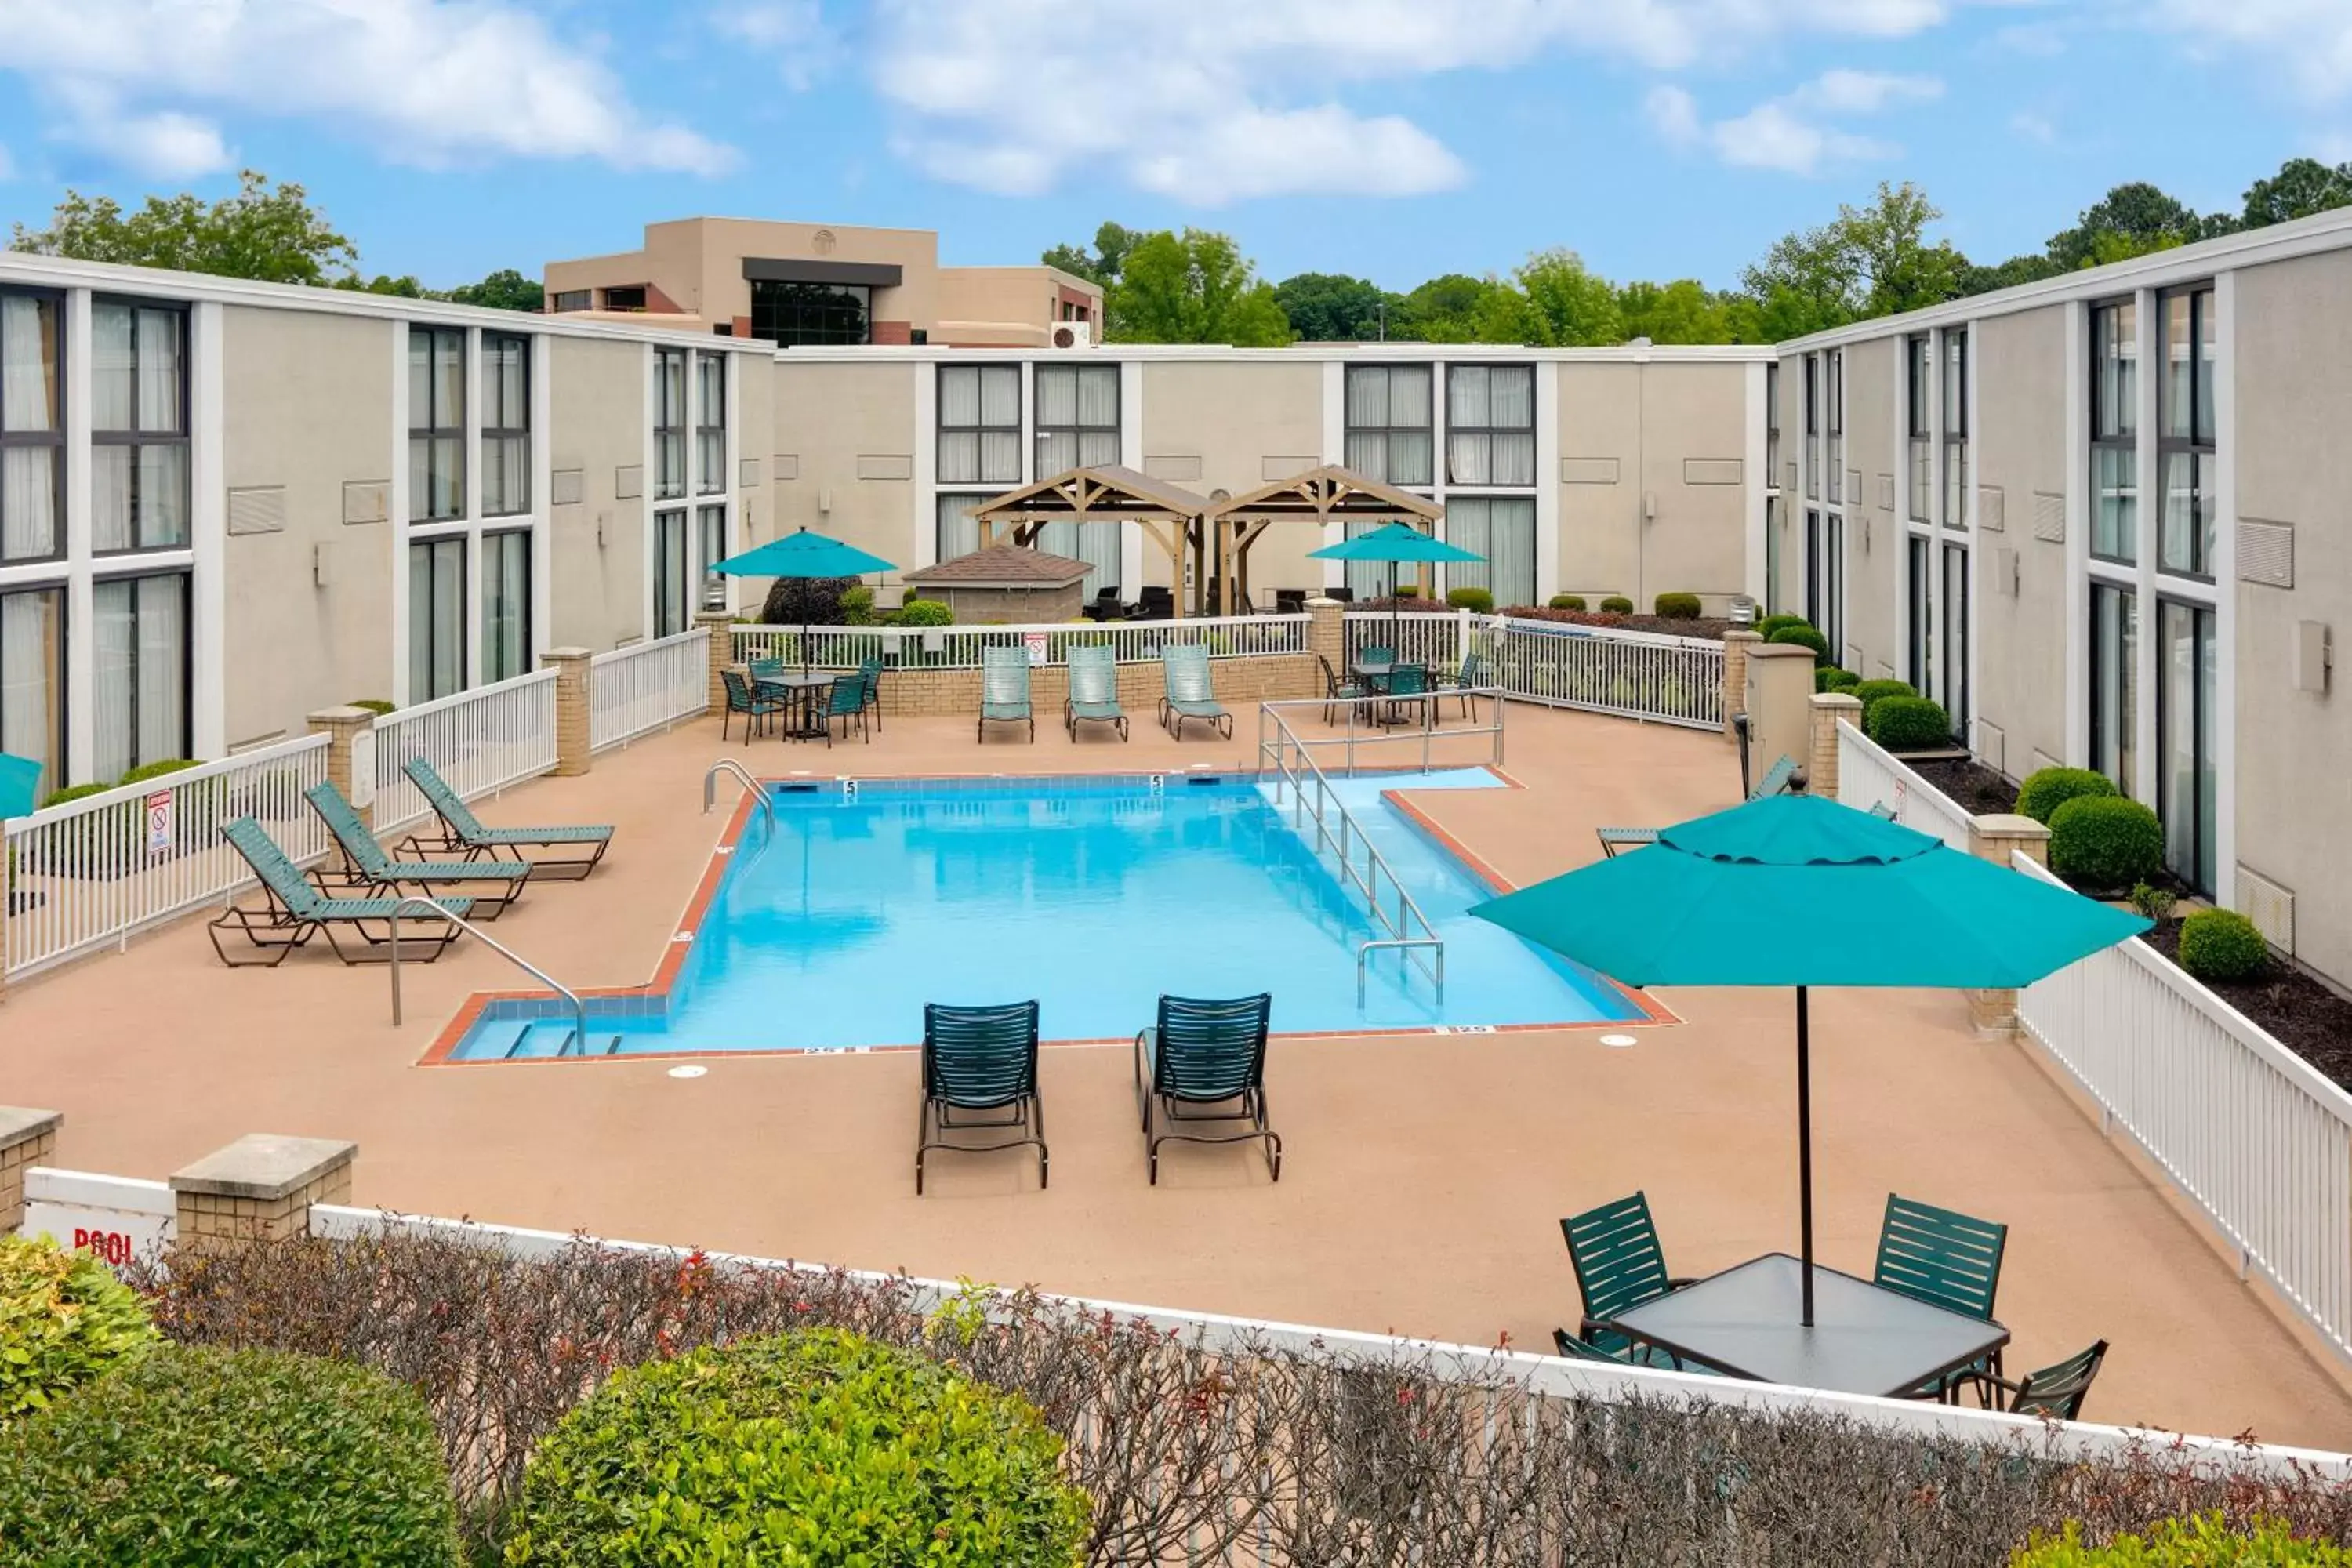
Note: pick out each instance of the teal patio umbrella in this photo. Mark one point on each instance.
(1802, 891)
(803, 554)
(1396, 544)
(19, 777)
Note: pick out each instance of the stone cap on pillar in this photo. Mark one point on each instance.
(1320, 602)
(264, 1165)
(569, 653)
(21, 1124)
(328, 718)
(1749, 636)
(1838, 702)
(1780, 651)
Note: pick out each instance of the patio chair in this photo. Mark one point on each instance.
(1188, 690)
(496, 883)
(295, 910)
(1289, 600)
(1946, 1259)
(1155, 605)
(1004, 690)
(1407, 686)
(1094, 691)
(757, 703)
(462, 830)
(1340, 595)
(767, 668)
(844, 699)
(981, 1061)
(2056, 1391)
(1619, 1265)
(1336, 690)
(1776, 781)
(870, 670)
(1205, 1062)
(1375, 655)
(1571, 1348)
(1476, 672)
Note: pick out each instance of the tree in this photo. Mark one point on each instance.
(1682, 311)
(1102, 264)
(1553, 299)
(1196, 288)
(1808, 282)
(2301, 186)
(2017, 269)
(405, 287)
(1888, 241)
(2132, 219)
(505, 290)
(1332, 308)
(272, 235)
(1444, 309)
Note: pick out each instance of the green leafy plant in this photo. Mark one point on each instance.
(1469, 597)
(63, 1319)
(1908, 723)
(2045, 791)
(819, 1448)
(1678, 606)
(2222, 944)
(1801, 637)
(1617, 605)
(1408, 591)
(1872, 691)
(2105, 841)
(924, 613)
(1830, 677)
(155, 770)
(193, 1456)
(1565, 602)
(857, 606)
(2204, 1541)
(2155, 903)
(1770, 624)
(73, 793)
(380, 707)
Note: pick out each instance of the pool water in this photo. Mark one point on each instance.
(1092, 895)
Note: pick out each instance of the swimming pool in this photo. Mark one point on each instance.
(1093, 895)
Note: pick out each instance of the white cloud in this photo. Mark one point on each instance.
(1673, 114)
(1774, 136)
(794, 31)
(1796, 132)
(2311, 40)
(425, 81)
(8, 163)
(1864, 92)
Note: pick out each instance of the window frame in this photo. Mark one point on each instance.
(562, 301)
(1834, 456)
(2204, 635)
(431, 543)
(707, 551)
(673, 596)
(1919, 357)
(186, 576)
(1812, 428)
(504, 432)
(431, 432)
(2201, 450)
(708, 478)
(1920, 585)
(1773, 425)
(1079, 430)
(981, 429)
(2126, 660)
(2125, 440)
(670, 479)
(136, 438)
(1953, 629)
(54, 767)
(1489, 430)
(1388, 433)
(1954, 370)
(495, 539)
(53, 439)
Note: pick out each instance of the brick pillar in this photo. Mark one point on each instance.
(574, 696)
(1997, 838)
(260, 1188)
(722, 654)
(1735, 678)
(1828, 708)
(351, 756)
(1780, 678)
(1326, 632)
(27, 1137)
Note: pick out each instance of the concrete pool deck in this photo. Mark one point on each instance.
(1423, 1176)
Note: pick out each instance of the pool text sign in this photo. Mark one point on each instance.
(116, 1217)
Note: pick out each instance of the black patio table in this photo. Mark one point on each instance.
(1866, 1339)
(805, 720)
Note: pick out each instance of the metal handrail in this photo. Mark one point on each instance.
(1425, 733)
(442, 912)
(728, 764)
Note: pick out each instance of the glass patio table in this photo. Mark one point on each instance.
(1866, 1339)
(805, 720)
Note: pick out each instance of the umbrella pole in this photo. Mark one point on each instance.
(1805, 1149)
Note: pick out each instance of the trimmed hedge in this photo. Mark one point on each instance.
(2105, 841)
(1565, 602)
(63, 1319)
(204, 1457)
(818, 1447)
(1907, 724)
(1803, 637)
(924, 613)
(1872, 692)
(2222, 944)
(1830, 677)
(1617, 605)
(1470, 597)
(1678, 606)
(2045, 791)
(2201, 1543)
(380, 706)
(155, 770)
(1770, 624)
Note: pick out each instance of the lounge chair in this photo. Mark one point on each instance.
(494, 884)
(1618, 1266)
(756, 702)
(985, 1060)
(462, 831)
(2056, 1391)
(1946, 1259)
(844, 699)
(1205, 1062)
(1004, 690)
(1776, 781)
(295, 909)
(1094, 691)
(1188, 691)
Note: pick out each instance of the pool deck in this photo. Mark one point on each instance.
(1424, 1175)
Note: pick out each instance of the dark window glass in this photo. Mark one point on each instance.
(2185, 448)
(709, 424)
(506, 605)
(1921, 672)
(2115, 683)
(2186, 781)
(1956, 639)
(671, 614)
(812, 313)
(1917, 396)
(436, 619)
(2114, 432)
(669, 424)
(1835, 457)
(632, 298)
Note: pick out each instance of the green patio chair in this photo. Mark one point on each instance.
(1189, 691)
(844, 699)
(747, 696)
(2056, 1391)
(981, 1061)
(1094, 691)
(1336, 690)
(1776, 781)
(1004, 690)
(496, 883)
(295, 909)
(1619, 1265)
(1571, 1348)
(1407, 686)
(1476, 672)
(1205, 1062)
(1375, 655)
(870, 671)
(767, 668)
(462, 831)
(1946, 1259)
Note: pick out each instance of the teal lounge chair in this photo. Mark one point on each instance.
(1004, 690)
(463, 832)
(1776, 781)
(1188, 690)
(295, 910)
(981, 1061)
(1204, 1061)
(367, 868)
(1618, 1266)
(1094, 691)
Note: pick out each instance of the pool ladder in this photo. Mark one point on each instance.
(416, 903)
(752, 787)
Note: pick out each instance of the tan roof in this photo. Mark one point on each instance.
(1331, 491)
(1109, 493)
(1007, 563)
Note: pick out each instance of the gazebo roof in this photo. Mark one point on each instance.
(1004, 566)
(1105, 494)
(1330, 493)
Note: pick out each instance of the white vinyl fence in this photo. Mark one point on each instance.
(87, 874)
(479, 740)
(960, 647)
(1607, 669)
(1869, 775)
(1437, 638)
(648, 686)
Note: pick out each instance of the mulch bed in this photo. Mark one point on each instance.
(2306, 1017)
(1973, 787)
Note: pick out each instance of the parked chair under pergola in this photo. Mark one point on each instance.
(1326, 495)
(1169, 515)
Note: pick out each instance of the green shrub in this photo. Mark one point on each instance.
(1871, 691)
(155, 770)
(63, 1319)
(2106, 840)
(1830, 677)
(1770, 624)
(1479, 601)
(1803, 637)
(2155, 903)
(924, 613)
(2222, 944)
(857, 606)
(73, 792)
(815, 1447)
(2045, 791)
(380, 707)
(2201, 1543)
(1678, 606)
(1408, 591)
(1907, 724)
(193, 1456)
(1565, 602)
(1617, 605)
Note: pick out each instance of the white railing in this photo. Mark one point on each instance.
(1868, 775)
(648, 686)
(91, 872)
(479, 741)
(2255, 1135)
(1434, 637)
(1607, 669)
(960, 647)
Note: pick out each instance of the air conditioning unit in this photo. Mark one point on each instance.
(1072, 334)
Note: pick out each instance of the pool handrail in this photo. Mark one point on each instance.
(753, 786)
(579, 1009)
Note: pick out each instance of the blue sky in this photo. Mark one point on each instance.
(1394, 139)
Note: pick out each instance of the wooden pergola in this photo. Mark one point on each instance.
(1325, 495)
(1169, 514)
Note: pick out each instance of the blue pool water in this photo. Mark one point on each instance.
(1092, 895)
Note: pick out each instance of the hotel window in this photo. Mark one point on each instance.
(33, 680)
(1490, 426)
(572, 299)
(1921, 669)
(1077, 418)
(1955, 639)
(629, 297)
(812, 313)
(670, 609)
(1389, 423)
(139, 428)
(1956, 428)
(959, 532)
(1837, 426)
(436, 619)
(2114, 432)
(506, 605)
(32, 430)
(979, 425)
(1812, 427)
(669, 424)
(1772, 427)
(1825, 577)
(2185, 432)
(1916, 389)
(142, 687)
(2186, 780)
(437, 424)
(709, 424)
(1503, 530)
(2114, 682)
(505, 425)
(710, 538)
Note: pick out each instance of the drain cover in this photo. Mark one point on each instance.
(691, 1071)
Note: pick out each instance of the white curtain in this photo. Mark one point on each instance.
(959, 534)
(999, 394)
(1368, 395)
(506, 475)
(985, 401)
(163, 495)
(162, 610)
(506, 605)
(28, 503)
(436, 624)
(959, 394)
(710, 391)
(110, 495)
(1096, 543)
(114, 623)
(32, 680)
(161, 346)
(1503, 530)
(112, 368)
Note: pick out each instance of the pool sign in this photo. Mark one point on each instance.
(158, 823)
(1035, 643)
(117, 1219)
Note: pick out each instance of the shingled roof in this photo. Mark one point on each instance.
(1007, 565)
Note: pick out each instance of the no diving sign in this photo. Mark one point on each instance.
(158, 823)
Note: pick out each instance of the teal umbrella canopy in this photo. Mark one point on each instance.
(803, 554)
(19, 777)
(1394, 542)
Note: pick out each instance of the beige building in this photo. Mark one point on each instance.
(798, 283)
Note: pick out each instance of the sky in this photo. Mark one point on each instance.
(1389, 139)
